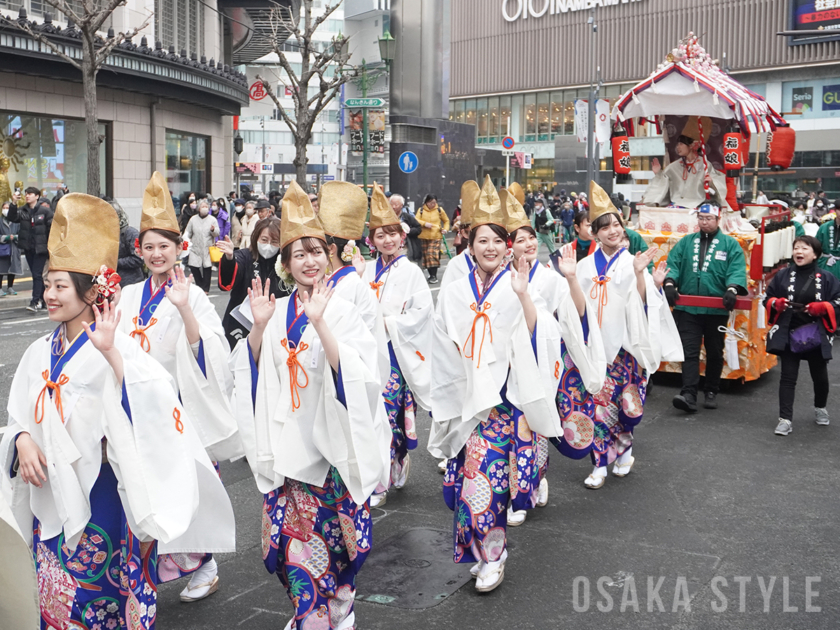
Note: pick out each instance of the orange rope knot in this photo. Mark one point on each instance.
(141, 331)
(178, 424)
(557, 369)
(480, 314)
(376, 286)
(294, 371)
(54, 386)
(599, 292)
(422, 358)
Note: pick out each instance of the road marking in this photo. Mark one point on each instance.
(250, 590)
(27, 321)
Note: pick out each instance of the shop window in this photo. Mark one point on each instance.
(557, 106)
(505, 124)
(187, 162)
(569, 113)
(481, 118)
(469, 111)
(543, 116)
(530, 113)
(493, 120)
(459, 111)
(517, 116)
(46, 153)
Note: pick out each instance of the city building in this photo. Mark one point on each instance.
(521, 64)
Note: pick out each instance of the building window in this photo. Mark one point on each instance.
(530, 117)
(469, 111)
(543, 116)
(46, 152)
(493, 121)
(187, 162)
(481, 118)
(180, 23)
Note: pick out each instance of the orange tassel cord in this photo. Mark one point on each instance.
(599, 292)
(295, 368)
(141, 332)
(42, 397)
(480, 314)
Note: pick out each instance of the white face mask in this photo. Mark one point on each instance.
(267, 250)
(238, 208)
(5, 212)
(250, 212)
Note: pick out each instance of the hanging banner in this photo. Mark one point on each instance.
(357, 139)
(603, 129)
(376, 128)
(581, 119)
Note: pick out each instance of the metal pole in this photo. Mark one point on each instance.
(262, 122)
(590, 131)
(364, 128)
(507, 159)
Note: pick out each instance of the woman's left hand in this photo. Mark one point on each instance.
(315, 305)
(107, 320)
(568, 264)
(359, 263)
(660, 273)
(643, 259)
(519, 273)
(179, 291)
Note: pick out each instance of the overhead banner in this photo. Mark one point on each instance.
(376, 131)
(513, 10)
(602, 120)
(581, 119)
(811, 15)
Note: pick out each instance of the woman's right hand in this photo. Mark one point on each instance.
(428, 226)
(31, 460)
(226, 246)
(263, 303)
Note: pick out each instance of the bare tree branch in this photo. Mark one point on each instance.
(65, 9)
(41, 38)
(105, 50)
(291, 124)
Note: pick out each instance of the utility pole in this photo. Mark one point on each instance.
(364, 127)
(590, 132)
(262, 124)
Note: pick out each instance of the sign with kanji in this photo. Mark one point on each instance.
(257, 91)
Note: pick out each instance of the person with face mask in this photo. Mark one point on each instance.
(10, 265)
(188, 210)
(218, 210)
(239, 268)
(202, 231)
(249, 224)
(237, 215)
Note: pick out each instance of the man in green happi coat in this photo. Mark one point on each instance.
(829, 236)
(707, 263)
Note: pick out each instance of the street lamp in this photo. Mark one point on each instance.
(387, 48)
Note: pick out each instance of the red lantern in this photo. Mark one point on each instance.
(621, 153)
(733, 151)
(781, 144)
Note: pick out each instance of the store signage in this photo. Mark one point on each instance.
(831, 97)
(257, 90)
(364, 102)
(513, 10)
(803, 100)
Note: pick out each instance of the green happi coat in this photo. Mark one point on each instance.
(723, 266)
(828, 235)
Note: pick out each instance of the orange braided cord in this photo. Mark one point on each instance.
(141, 332)
(178, 424)
(294, 371)
(599, 292)
(422, 358)
(56, 387)
(480, 314)
(376, 286)
(557, 369)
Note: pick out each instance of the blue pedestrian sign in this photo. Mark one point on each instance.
(408, 162)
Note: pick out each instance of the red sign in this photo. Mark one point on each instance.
(258, 92)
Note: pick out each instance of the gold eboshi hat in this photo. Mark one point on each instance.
(381, 213)
(342, 210)
(514, 212)
(85, 235)
(600, 203)
(470, 193)
(692, 128)
(158, 211)
(517, 192)
(298, 218)
(489, 210)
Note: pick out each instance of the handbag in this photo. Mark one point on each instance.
(805, 338)
(5, 250)
(215, 254)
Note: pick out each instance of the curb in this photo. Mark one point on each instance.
(10, 303)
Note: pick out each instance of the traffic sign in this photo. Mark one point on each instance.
(508, 153)
(364, 102)
(408, 162)
(508, 143)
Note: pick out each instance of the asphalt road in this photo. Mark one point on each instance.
(721, 524)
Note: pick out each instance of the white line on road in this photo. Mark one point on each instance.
(250, 590)
(26, 321)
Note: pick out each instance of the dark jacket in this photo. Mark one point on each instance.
(130, 265)
(778, 337)
(34, 225)
(412, 243)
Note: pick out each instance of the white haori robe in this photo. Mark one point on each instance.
(406, 303)
(19, 607)
(457, 268)
(205, 398)
(167, 484)
(301, 433)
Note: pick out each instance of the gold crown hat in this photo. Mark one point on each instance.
(85, 235)
(342, 210)
(158, 211)
(517, 191)
(381, 213)
(298, 218)
(600, 203)
(692, 128)
(514, 212)
(489, 210)
(470, 193)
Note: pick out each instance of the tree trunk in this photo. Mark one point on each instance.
(91, 117)
(300, 158)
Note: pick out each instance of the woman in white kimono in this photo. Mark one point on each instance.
(630, 311)
(581, 348)
(462, 265)
(176, 324)
(311, 416)
(495, 357)
(102, 461)
(404, 298)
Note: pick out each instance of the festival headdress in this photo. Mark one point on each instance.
(517, 192)
(158, 211)
(600, 203)
(342, 210)
(708, 207)
(514, 212)
(298, 218)
(489, 210)
(692, 128)
(470, 193)
(381, 213)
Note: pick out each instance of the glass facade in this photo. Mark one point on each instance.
(46, 152)
(187, 162)
(812, 99)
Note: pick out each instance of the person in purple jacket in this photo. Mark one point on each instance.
(217, 209)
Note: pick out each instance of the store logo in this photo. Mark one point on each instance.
(831, 97)
(513, 10)
(258, 92)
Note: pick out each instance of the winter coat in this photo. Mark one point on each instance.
(248, 225)
(236, 226)
(129, 265)
(224, 223)
(412, 241)
(201, 233)
(34, 225)
(437, 218)
(8, 236)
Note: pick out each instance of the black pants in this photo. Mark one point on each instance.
(202, 277)
(694, 331)
(36, 264)
(790, 371)
(10, 280)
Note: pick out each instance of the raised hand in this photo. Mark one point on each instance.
(655, 166)
(643, 259)
(262, 303)
(660, 273)
(359, 262)
(179, 291)
(568, 264)
(107, 319)
(226, 245)
(315, 305)
(519, 273)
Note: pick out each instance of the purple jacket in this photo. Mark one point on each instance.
(224, 223)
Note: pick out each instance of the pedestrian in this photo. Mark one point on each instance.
(249, 224)
(308, 402)
(201, 234)
(712, 264)
(238, 268)
(462, 265)
(188, 210)
(477, 371)
(237, 216)
(761, 199)
(802, 307)
(581, 204)
(265, 209)
(220, 213)
(10, 265)
(567, 220)
(414, 250)
(819, 209)
(584, 244)
(828, 235)
(399, 288)
(314, 199)
(543, 224)
(129, 264)
(435, 223)
(35, 218)
(137, 470)
(626, 298)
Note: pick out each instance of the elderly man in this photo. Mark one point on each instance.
(413, 247)
(707, 263)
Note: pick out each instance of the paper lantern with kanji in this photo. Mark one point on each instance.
(781, 144)
(733, 151)
(621, 153)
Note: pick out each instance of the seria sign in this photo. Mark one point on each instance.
(513, 10)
